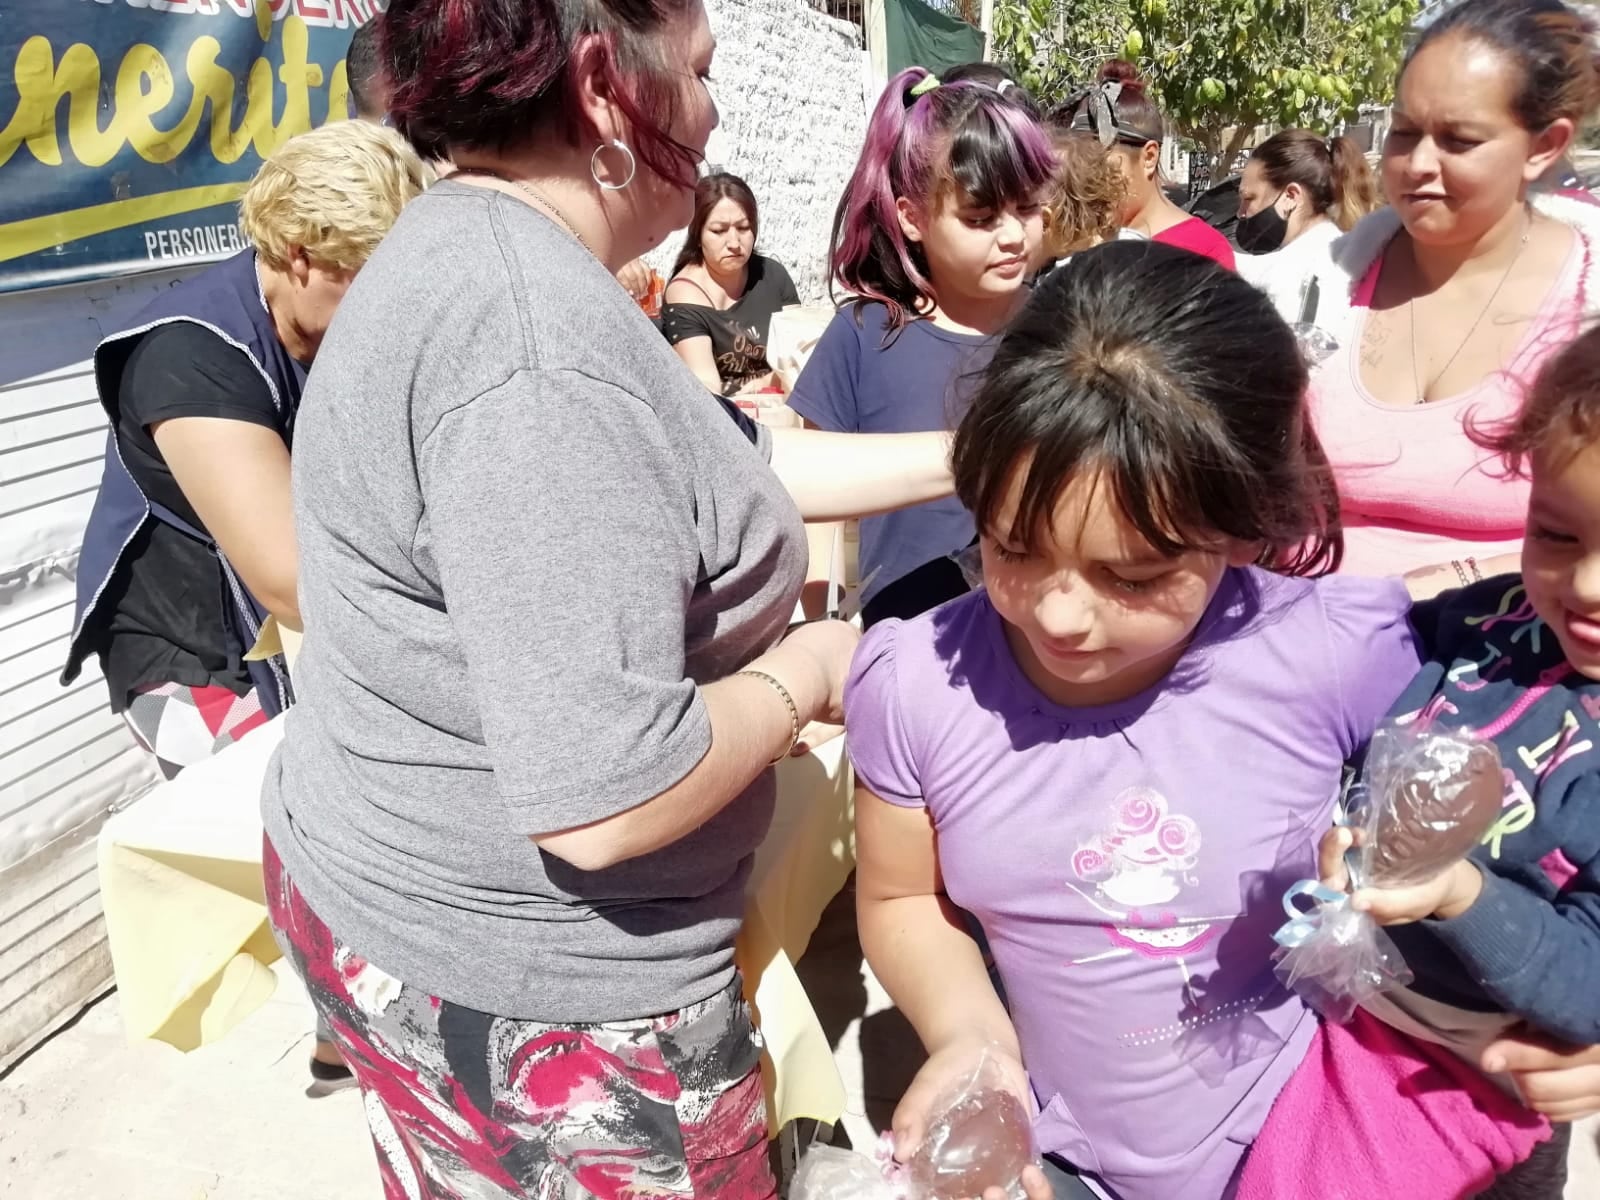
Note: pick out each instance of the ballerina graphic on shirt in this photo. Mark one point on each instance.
(1141, 865)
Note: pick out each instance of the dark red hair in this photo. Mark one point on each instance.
(495, 74)
(1560, 417)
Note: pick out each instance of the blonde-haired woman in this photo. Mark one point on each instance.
(191, 541)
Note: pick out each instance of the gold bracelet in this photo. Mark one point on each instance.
(794, 711)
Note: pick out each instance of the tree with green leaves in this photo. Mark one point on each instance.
(1057, 45)
(1217, 68)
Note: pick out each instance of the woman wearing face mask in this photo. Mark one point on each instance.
(1119, 112)
(1299, 192)
(720, 303)
(1440, 308)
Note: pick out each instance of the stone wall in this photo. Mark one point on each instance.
(788, 81)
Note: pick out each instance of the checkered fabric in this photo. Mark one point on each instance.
(183, 725)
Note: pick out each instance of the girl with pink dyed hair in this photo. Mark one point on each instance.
(934, 239)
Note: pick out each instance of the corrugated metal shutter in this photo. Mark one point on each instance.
(65, 761)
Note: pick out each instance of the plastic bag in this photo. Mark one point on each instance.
(979, 1137)
(1424, 800)
(829, 1173)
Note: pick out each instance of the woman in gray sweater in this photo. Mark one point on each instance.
(546, 582)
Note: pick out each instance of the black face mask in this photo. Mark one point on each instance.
(1262, 232)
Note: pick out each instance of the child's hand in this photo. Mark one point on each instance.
(946, 1068)
(1560, 1081)
(1446, 895)
(1330, 857)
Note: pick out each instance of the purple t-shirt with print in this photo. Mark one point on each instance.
(1128, 862)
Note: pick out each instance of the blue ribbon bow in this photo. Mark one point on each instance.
(1303, 922)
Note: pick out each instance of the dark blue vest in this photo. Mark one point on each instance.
(227, 300)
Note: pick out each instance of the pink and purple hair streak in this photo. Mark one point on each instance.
(966, 137)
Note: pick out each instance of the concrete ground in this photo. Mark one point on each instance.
(90, 1117)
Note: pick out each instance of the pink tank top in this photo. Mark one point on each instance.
(1414, 489)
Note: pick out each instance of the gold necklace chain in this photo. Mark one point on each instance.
(533, 194)
(1411, 310)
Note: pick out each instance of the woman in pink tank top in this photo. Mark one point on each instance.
(1442, 307)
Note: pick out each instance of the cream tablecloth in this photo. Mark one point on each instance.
(180, 874)
(792, 336)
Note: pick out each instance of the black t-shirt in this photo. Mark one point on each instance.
(166, 603)
(738, 333)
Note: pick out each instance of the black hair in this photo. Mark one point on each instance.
(364, 68)
(708, 193)
(1001, 80)
(1179, 384)
(1333, 172)
(923, 137)
(1135, 114)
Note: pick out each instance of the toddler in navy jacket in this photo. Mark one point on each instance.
(1512, 934)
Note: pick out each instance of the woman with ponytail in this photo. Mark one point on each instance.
(1299, 192)
(1118, 112)
(934, 240)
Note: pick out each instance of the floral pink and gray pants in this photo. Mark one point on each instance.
(464, 1105)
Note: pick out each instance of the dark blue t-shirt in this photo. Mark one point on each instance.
(860, 380)
(1530, 945)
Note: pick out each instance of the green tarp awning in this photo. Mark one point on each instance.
(919, 36)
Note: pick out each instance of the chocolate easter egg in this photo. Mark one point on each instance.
(982, 1142)
(1435, 802)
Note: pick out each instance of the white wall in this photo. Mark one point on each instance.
(65, 761)
(788, 80)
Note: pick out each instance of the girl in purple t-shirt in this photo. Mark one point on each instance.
(1120, 753)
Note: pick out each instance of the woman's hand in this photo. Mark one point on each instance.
(756, 383)
(1425, 583)
(946, 1069)
(816, 733)
(940, 1075)
(635, 278)
(1558, 1081)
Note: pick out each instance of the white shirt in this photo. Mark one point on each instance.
(1283, 274)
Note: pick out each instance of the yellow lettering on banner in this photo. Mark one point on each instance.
(257, 125)
(21, 238)
(143, 87)
(40, 87)
(136, 104)
(299, 75)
